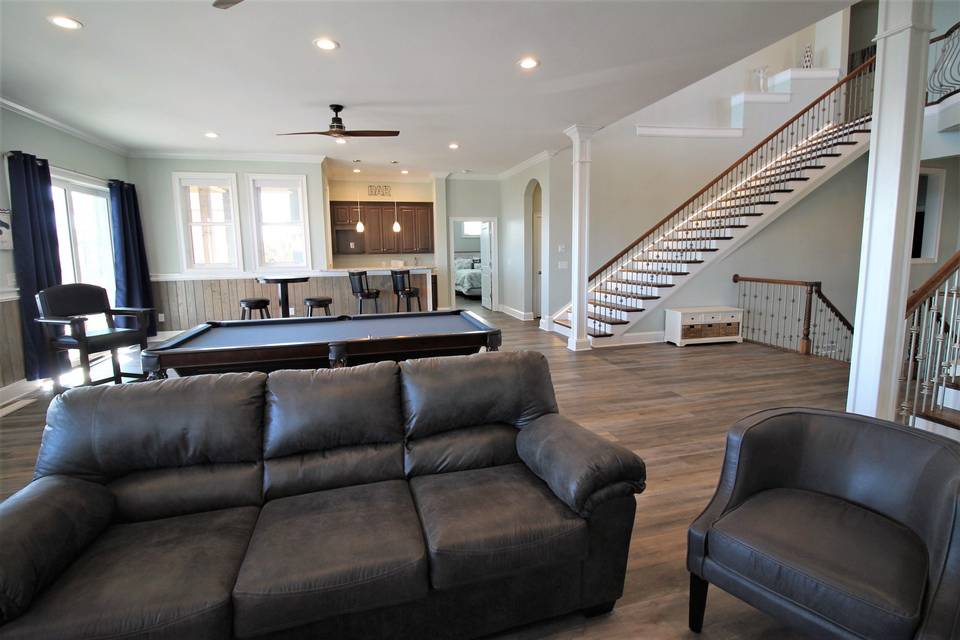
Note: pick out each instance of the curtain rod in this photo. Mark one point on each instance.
(7, 154)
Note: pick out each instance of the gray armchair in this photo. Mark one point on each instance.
(841, 525)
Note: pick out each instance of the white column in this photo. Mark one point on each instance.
(441, 251)
(580, 134)
(892, 175)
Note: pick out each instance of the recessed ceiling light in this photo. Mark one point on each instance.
(404, 171)
(326, 44)
(66, 22)
(212, 134)
(453, 145)
(356, 170)
(341, 141)
(528, 62)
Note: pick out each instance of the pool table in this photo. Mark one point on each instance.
(318, 342)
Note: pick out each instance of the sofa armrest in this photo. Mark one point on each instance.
(44, 526)
(583, 469)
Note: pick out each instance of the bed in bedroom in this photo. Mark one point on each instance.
(467, 277)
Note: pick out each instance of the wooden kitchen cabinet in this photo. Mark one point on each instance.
(416, 226)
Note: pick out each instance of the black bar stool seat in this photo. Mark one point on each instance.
(249, 305)
(402, 288)
(323, 302)
(362, 291)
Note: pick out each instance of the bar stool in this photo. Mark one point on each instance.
(249, 305)
(402, 288)
(319, 301)
(361, 289)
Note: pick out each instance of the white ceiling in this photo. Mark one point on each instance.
(154, 76)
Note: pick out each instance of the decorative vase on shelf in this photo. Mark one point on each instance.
(807, 61)
(760, 73)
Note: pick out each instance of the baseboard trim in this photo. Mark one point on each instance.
(18, 389)
(526, 316)
(628, 339)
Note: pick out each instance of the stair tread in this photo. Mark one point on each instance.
(599, 317)
(614, 306)
(651, 285)
(625, 294)
(665, 261)
(743, 205)
(656, 272)
(593, 333)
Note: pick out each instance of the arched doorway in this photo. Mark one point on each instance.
(533, 226)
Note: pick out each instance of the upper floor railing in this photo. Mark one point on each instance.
(944, 65)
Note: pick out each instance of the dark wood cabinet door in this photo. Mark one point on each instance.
(408, 230)
(424, 220)
(373, 231)
(341, 213)
(389, 239)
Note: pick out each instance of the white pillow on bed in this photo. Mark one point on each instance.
(463, 263)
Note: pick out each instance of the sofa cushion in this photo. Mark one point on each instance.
(167, 578)
(443, 394)
(328, 553)
(332, 428)
(486, 445)
(852, 566)
(178, 446)
(484, 523)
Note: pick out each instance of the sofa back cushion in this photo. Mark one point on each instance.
(463, 412)
(165, 448)
(331, 428)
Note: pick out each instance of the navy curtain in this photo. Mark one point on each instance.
(129, 253)
(36, 255)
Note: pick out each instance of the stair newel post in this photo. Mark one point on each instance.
(807, 308)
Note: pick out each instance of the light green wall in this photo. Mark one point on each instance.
(467, 198)
(154, 180)
(462, 244)
(516, 245)
(63, 150)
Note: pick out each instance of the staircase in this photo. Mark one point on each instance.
(791, 162)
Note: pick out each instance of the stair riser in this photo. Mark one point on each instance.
(597, 325)
(639, 288)
(607, 311)
(652, 257)
(690, 245)
(624, 300)
(644, 279)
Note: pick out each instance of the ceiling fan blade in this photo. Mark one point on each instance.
(225, 4)
(369, 134)
(308, 133)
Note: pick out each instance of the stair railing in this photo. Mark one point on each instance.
(825, 124)
(932, 343)
(793, 315)
(944, 78)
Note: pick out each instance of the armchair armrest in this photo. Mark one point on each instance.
(130, 311)
(44, 526)
(583, 469)
(65, 321)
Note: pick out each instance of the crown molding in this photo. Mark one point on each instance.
(363, 179)
(473, 176)
(237, 156)
(526, 164)
(53, 123)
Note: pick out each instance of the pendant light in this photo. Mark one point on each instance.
(396, 221)
(359, 214)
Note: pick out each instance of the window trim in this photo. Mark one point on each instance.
(301, 182)
(463, 229)
(186, 249)
(936, 188)
(71, 181)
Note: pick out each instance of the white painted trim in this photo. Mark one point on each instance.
(53, 123)
(301, 184)
(526, 164)
(237, 156)
(473, 176)
(18, 389)
(688, 132)
(628, 339)
(82, 179)
(367, 178)
(516, 313)
(788, 75)
(212, 273)
(546, 324)
(758, 97)
(9, 296)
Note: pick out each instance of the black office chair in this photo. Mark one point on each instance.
(67, 305)
(362, 291)
(402, 288)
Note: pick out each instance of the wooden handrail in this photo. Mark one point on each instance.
(733, 166)
(796, 283)
(826, 301)
(930, 285)
(945, 34)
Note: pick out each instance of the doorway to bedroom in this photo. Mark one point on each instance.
(474, 263)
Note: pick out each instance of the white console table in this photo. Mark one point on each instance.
(701, 325)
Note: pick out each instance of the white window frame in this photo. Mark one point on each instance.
(72, 181)
(300, 181)
(933, 214)
(463, 229)
(182, 178)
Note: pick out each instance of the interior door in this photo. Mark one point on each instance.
(486, 267)
(537, 220)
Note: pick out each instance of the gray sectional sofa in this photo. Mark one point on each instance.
(438, 498)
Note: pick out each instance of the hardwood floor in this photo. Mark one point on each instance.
(672, 406)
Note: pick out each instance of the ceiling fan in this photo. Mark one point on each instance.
(337, 130)
(226, 4)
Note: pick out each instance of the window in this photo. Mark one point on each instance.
(926, 223)
(207, 219)
(82, 215)
(471, 228)
(280, 219)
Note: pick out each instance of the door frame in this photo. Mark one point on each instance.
(495, 258)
